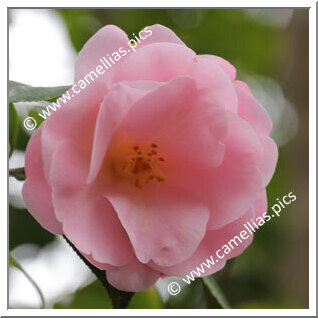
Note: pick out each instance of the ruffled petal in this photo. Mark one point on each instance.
(230, 188)
(159, 34)
(133, 277)
(163, 224)
(89, 220)
(260, 205)
(73, 121)
(226, 66)
(36, 191)
(113, 109)
(207, 251)
(185, 122)
(253, 112)
(105, 41)
(270, 157)
(164, 61)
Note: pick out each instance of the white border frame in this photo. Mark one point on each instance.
(312, 163)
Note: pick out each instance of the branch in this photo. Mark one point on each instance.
(18, 173)
(120, 299)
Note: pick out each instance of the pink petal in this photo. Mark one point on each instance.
(212, 242)
(89, 220)
(102, 266)
(230, 188)
(242, 85)
(106, 41)
(159, 34)
(253, 112)
(202, 253)
(226, 66)
(73, 121)
(237, 182)
(164, 61)
(114, 107)
(183, 121)
(210, 75)
(132, 277)
(260, 205)
(163, 224)
(158, 62)
(270, 158)
(227, 233)
(36, 192)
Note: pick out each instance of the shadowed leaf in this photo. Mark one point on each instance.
(19, 92)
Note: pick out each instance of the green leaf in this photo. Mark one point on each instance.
(148, 299)
(81, 25)
(92, 296)
(35, 114)
(13, 262)
(19, 92)
(14, 125)
(216, 291)
(24, 229)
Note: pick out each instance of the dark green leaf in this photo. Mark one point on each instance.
(23, 139)
(19, 92)
(81, 25)
(216, 291)
(14, 124)
(24, 229)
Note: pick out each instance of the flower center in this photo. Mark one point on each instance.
(140, 163)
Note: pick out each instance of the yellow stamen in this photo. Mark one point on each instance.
(137, 162)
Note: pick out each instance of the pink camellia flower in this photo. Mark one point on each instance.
(156, 164)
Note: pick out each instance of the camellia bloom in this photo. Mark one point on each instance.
(154, 166)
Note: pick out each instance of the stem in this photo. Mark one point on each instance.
(216, 291)
(226, 271)
(16, 264)
(18, 173)
(120, 299)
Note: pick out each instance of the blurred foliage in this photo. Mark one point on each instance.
(14, 126)
(34, 112)
(19, 92)
(81, 25)
(216, 291)
(266, 274)
(93, 296)
(23, 139)
(192, 296)
(225, 32)
(24, 229)
(147, 299)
